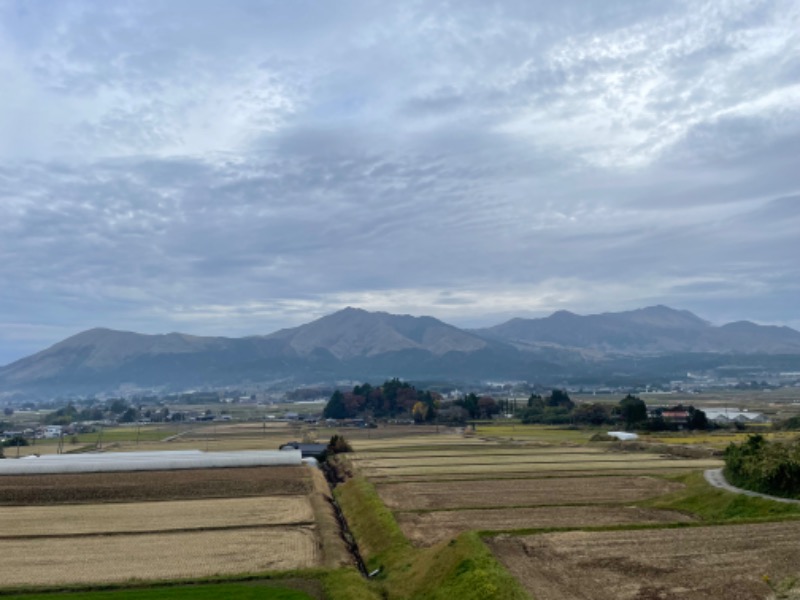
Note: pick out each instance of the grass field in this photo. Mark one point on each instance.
(229, 591)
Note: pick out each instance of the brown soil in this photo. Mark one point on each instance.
(694, 563)
(494, 474)
(522, 492)
(153, 485)
(425, 529)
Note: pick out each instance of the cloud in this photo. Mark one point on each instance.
(237, 169)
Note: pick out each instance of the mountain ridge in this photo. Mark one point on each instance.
(358, 344)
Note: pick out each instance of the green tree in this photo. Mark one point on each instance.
(335, 408)
(633, 411)
(697, 419)
(560, 399)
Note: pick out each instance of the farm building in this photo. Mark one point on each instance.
(308, 450)
(146, 461)
(734, 415)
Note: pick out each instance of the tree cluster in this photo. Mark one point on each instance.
(762, 466)
(483, 407)
(389, 400)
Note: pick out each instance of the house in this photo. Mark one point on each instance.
(676, 416)
(52, 431)
(307, 450)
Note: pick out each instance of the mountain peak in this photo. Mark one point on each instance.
(354, 332)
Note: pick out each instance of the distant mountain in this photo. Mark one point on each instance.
(655, 342)
(354, 333)
(655, 330)
(351, 343)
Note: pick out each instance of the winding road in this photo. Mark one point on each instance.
(717, 479)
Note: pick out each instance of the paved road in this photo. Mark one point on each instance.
(717, 479)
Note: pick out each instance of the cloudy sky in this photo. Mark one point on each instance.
(236, 167)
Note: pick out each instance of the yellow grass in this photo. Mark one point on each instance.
(155, 556)
(153, 516)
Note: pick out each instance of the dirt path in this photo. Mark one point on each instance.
(717, 479)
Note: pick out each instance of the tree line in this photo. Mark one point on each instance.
(395, 398)
(762, 466)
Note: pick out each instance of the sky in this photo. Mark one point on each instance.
(233, 168)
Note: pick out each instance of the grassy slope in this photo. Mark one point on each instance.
(710, 504)
(462, 568)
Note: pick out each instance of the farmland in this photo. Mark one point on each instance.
(441, 512)
(94, 528)
(569, 517)
(704, 562)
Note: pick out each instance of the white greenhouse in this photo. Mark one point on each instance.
(146, 461)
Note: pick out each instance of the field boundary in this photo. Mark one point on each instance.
(93, 534)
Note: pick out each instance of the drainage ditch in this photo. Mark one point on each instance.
(334, 476)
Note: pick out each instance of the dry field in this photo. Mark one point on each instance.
(108, 527)
(153, 485)
(428, 528)
(619, 465)
(51, 561)
(63, 520)
(522, 492)
(694, 563)
(492, 474)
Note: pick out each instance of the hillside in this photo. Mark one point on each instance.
(655, 343)
(655, 330)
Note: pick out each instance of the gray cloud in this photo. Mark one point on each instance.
(236, 169)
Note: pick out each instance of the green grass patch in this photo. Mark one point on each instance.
(348, 584)
(462, 568)
(710, 504)
(230, 591)
(379, 538)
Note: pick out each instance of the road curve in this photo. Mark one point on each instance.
(717, 479)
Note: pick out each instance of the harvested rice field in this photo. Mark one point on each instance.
(732, 562)
(612, 464)
(87, 519)
(153, 485)
(95, 528)
(101, 559)
(491, 474)
(428, 528)
(522, 492)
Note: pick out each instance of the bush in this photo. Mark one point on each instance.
(338, 445)
(770, 468)
(15, 441)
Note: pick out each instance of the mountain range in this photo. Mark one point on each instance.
(356, 344)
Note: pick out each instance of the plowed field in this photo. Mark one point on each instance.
(425, 529)
(153, 485)
(522, 492)
(695, 563)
